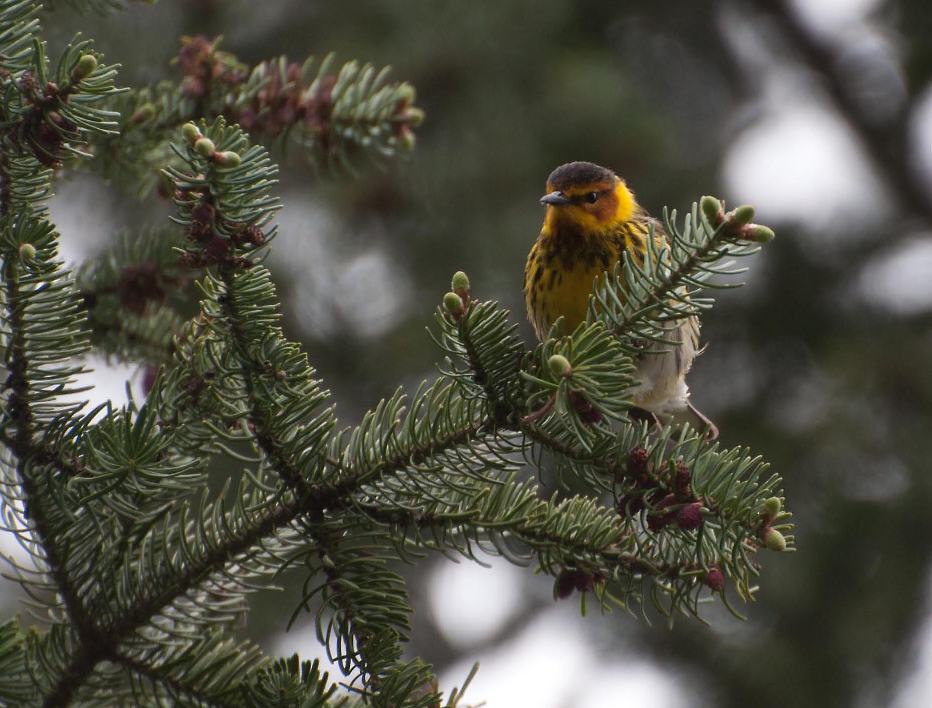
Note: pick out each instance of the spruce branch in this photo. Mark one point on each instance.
(337, 116)
(646, 300)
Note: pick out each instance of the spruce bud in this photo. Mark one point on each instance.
(227, 159)
(715, 579)
(27, 251)
(771, 508)
(414, 116)
(406, 93)
(190, 132)
(757, 233)
(84, 68)
(711, 208)
(453, 304)
(689, 517)
(559, 365)
(143, 114)
(205, 147)
(406, 139)
(743, 214)
(460, 283)
(564, 584)
(774, 540)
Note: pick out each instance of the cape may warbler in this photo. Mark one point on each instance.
(592, 217)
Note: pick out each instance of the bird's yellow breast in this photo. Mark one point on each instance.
(559, 278)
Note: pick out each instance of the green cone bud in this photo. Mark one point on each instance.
(227, 159)
(453, 304)
(559, 365)
(774, 540)
(757, 233)
(711, 208)
(85, 67)
(406, 139)
(144, 113)
(414, 116)
(772, 507)
(190, 132)
(460, 283)
(205, 147)
(27, 251)
(743, 214)
(406, 93)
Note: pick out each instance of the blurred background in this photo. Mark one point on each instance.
(818, 112)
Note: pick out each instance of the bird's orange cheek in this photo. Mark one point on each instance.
(605, 209)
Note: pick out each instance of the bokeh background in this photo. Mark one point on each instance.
(818, 112)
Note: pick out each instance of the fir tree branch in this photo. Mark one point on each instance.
(23, 446)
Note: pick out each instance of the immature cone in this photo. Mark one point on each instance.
(771, 508)
(757, 233)
(460, 283)
(144, 113)
(689, 517)
(712, 208)
(85, 67)
(743, 214)
(453, 304)
(774, 540)
(564, 584)
(414, 116)
(559, 365)
(227, 159)
(27, 251)
(205, 147)
(406, 93)
(190, 132)
(715, 579)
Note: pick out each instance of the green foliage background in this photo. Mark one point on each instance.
(513, 89)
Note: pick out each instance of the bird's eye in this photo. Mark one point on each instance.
(592, 197)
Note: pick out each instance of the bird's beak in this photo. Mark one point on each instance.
(555, 199)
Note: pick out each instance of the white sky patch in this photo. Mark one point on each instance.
(553, 664)
(916, 686)
(336, 287)
(921, 134)
(81, 213)
(900, 281)
(801, 163)
(471, 602)
(833, 15)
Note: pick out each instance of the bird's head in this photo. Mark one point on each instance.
(587, 196)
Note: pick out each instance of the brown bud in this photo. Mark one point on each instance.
(715, 579)
(689, 518)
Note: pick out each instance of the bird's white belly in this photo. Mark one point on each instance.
(662, 372)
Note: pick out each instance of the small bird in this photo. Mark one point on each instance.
(592, 218)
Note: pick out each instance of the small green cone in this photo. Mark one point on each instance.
(406, 93)
(460, 283)
(27, 251)
(559, 365)
(145, 113)
(774, 540)
(414, 116)
(757, 233)
(711, 208)
(205, 147)
(227, 159)
(743, 214)
(406, 139)
(190, 132)
(85, 67)
(771, 508)
(453, 304)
